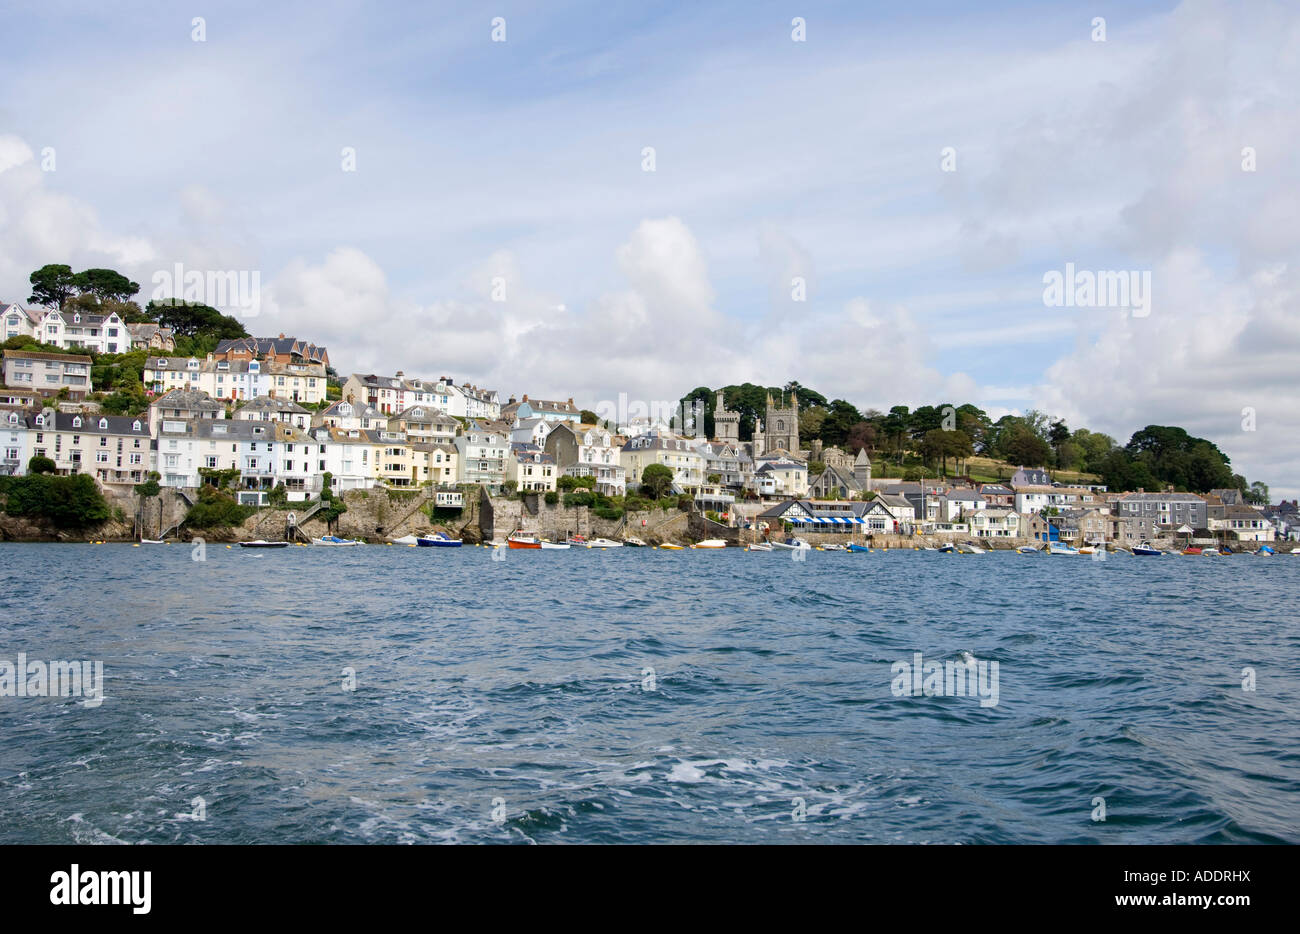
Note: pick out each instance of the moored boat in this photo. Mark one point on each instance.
(519, 540)
(710, 543)
(633, 542)
(404, 540)
(333, 541)
(553, 546)
(438, 540)
(792, 544)
(758, 546)
(1059, 548)
(1027, 550)
(854, 547)
(1145, 548)
(1264, 552)
(669, 546)
(261, 543)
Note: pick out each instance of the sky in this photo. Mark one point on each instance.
(419, 197)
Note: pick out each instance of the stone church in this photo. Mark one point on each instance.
(779, 429)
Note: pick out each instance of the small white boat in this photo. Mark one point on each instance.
(555, 546)
(1059, 548)
(333, 541)
(603, 543)
(967, 548)
(758, 546)
(946, 549)
(152, 541)
(404, 540)
(833, 547)
(1027, 550)
(710, 543)
(262, 543)
(792, 544)
(633, 542)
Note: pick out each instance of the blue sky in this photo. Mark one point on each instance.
(521, 160)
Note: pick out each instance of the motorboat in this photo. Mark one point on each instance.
(152, 541)
(1146, 548)
(438, 540)
(793, 544)
(404, 540)
(833, 547)
(519, 540)
(261, 543)
(1027, 550)
(594, 542)
(669, 546)
(1264, 552)
(857, 548)
(579, 540)
(947, 549)
(710, 543)
(758, 546)
(967, 548)
(1193, 550)
(333, 541)
(553, 546)
(633, 542)
(1060, 548)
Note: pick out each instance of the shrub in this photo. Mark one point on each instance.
(216, 509)
(552, 497)
(67, 502)
(39, 464)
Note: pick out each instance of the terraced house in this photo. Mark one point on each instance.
(111, 448)
(48, 373)
(481, 454)
(1167, 510)
(588, 451)
(77, 330)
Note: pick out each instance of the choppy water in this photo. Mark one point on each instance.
(506, 701)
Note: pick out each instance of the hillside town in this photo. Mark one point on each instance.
(259, 415)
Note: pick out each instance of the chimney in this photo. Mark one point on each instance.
(399, 374)
(570, 400)
(281, 335)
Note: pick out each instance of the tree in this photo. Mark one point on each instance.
(331, 506)
(40, 464)
(107, 285)
(1024, 447)
(189, 319)
(656, 480)
(841, 416)
(52, 285)
(1057, 435)
(588, 417)
(1257, 495)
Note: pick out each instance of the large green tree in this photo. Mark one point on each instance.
(52, 285)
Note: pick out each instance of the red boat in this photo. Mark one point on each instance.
(519, 540)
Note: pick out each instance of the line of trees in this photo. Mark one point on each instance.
(933, 437)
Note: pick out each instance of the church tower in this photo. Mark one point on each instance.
(782, 424)
(726, 423)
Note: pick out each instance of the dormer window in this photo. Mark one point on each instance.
(103, 424)
(76, 319)
(162, 364)
(135, 425)
(76, 422)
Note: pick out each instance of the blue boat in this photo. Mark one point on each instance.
(852, 547)
(1146, 549)
(438, 540)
